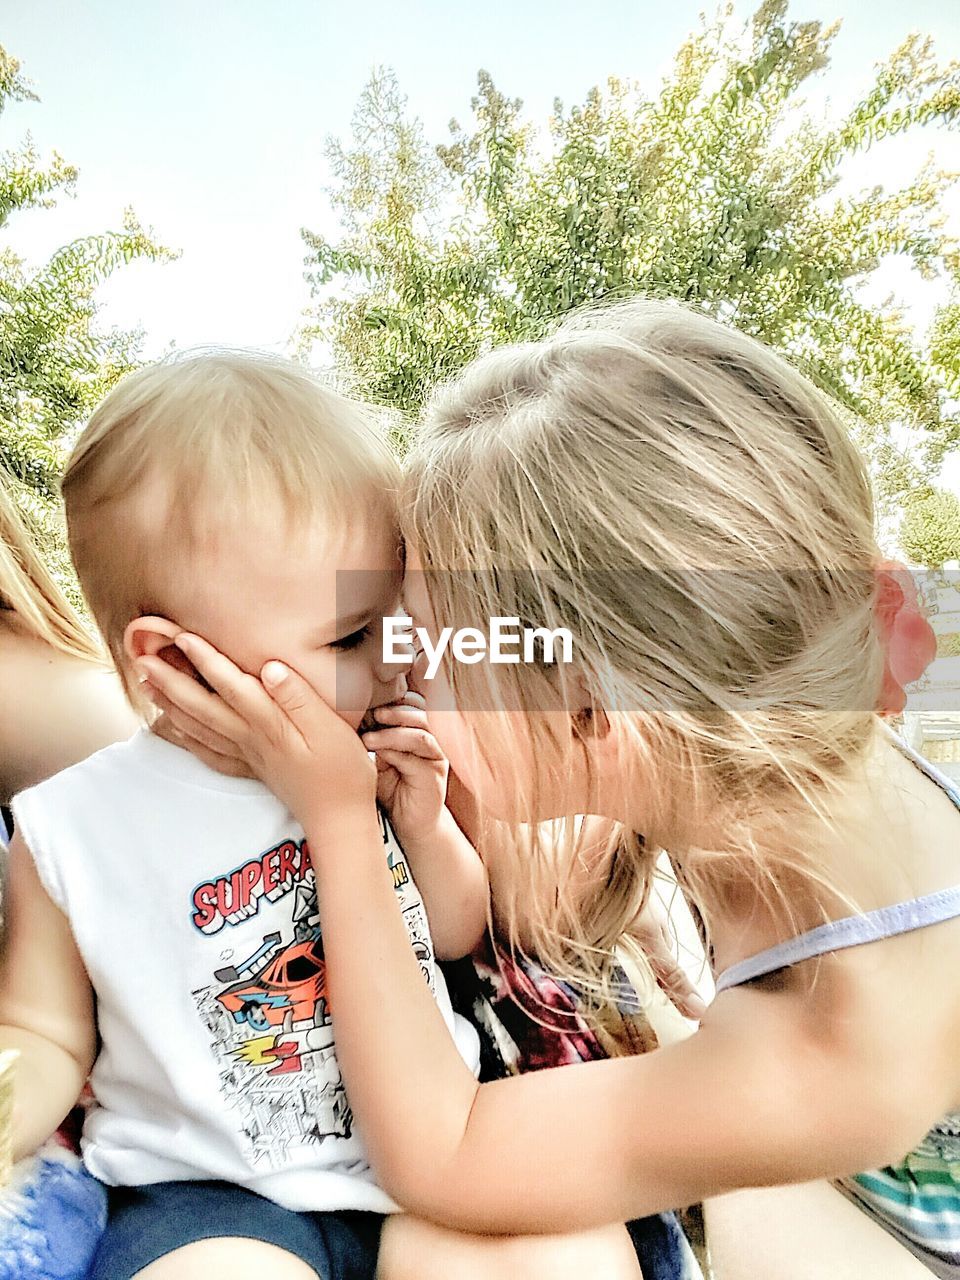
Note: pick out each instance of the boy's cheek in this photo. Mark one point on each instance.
(348, 689)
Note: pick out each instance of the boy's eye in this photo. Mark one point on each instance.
(353, 641)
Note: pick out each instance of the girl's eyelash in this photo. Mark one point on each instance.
(353, 641)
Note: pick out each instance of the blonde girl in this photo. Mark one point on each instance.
(692, 510)
(59, 696)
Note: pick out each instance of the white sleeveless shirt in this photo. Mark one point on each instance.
(192, 902)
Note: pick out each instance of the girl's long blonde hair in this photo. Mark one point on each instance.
(29, 590)
(693, 510)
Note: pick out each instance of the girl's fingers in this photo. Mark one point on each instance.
(184, 692)
(232, 765)
(414, 742)
(312, 717)
(241, 692)
(195, 732)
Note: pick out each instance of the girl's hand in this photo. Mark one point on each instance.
(411, 768)
(208, 741)
(278, 726)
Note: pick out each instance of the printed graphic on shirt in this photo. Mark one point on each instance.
(267, 1010)
(238, 895)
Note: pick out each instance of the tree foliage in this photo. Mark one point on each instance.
(930, 530)
(718, 190)
(55, 363)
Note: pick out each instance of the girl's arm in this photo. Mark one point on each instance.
(56, 710)
(748, 1100)
(46, 1005)
(760, 1095)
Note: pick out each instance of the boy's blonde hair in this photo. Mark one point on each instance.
(29, 590)
(193, 445)
(694, 511)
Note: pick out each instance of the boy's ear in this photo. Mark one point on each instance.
(153, 637)
(148, 636)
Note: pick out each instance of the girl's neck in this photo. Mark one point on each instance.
(792, 862)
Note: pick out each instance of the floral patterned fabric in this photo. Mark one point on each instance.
(529, 1020)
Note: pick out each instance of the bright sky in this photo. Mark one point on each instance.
(210, 120)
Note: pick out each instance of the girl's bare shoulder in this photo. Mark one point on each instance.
(54, 710)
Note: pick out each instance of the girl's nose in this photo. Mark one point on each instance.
(415, 676)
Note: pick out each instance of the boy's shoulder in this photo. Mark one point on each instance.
(144, 761)
(116, 757)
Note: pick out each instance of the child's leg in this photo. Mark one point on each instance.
(216, 1231)
(411, 1249)
(805, 1232)
(228, 1258)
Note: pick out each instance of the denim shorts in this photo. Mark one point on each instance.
(145, 1223)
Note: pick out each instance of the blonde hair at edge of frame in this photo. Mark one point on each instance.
(183, 447)
(29, 590)
(692, 508)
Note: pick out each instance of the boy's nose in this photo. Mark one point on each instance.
(404, 657)
(393, 681)
(389, 691)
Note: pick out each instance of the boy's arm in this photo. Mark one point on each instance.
(453, 884)
(46, 1005)
(412, 786)
(497, 845)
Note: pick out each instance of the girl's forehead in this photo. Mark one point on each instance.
(411, 556)
(416, 597)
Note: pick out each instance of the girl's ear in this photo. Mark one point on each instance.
(589, 720)
(145, 637)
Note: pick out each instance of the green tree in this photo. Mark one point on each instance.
(718, 190)
(930, 530)
(55, 363)
(945, 342)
